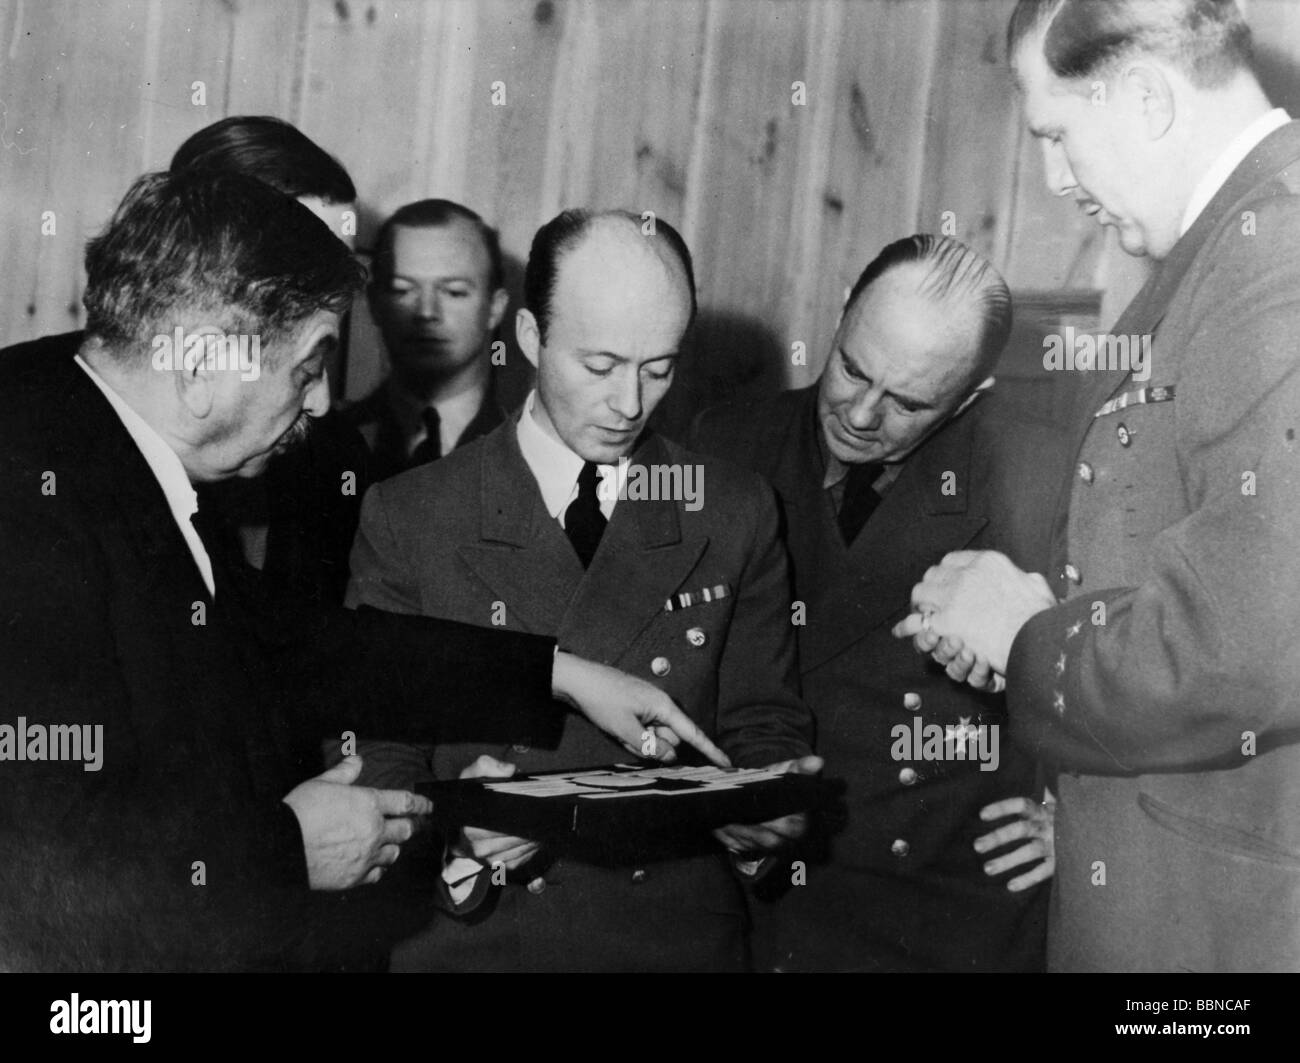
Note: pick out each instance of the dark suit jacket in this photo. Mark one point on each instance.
(212, 710)
(469, 538)
(372, 416)
(1165, 687)
(892, 880)
(308, 508)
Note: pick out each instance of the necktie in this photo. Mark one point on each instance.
(860, 499)
(584, 523)
(430, 448)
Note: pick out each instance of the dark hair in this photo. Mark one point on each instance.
(215, 249)
(951, 271)
(564, 232)
(434, 214)
(271, 150)
(1208, 40)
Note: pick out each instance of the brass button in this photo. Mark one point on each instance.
(638, 875)
(1124, 436)
(1071, 572)
(1085, 472)
(536, 886)
(907, 776)
(660, 666)
(519, 747)
(911, 701)
(900, 848)
(696, 636)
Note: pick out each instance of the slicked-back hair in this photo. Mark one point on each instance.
(949, 271)
(563, 233)
(1208, 40)
(271, 150)
(223, 250)
(435, 214)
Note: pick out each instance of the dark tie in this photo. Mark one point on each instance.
(219, 539)
(583, 521)
(860, 499)
(430, 448)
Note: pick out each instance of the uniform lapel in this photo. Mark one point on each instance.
(642, 560)
(923, 516)
(522, 554)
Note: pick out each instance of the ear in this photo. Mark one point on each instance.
(197, 383)
(978, 390)
(500, 300)
(1150, 89)
(529, 339)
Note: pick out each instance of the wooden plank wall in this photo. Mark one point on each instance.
(683, 107)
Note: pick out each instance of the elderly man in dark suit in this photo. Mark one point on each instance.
(548, 525)
(896, 456)
(161, 713)
(1163, 685)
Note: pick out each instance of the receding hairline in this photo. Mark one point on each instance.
(625, 231)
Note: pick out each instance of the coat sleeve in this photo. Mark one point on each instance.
(379, 669)
(1203, 650)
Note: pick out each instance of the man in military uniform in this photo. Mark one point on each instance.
(1163, 685)
(546, 526)
(897, 455)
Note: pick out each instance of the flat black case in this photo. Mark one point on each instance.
(671, 807)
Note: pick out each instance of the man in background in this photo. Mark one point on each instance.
(437, 293)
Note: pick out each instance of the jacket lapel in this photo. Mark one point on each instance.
(121, 489)
(522, 554)
(642, 560)
(869, 584)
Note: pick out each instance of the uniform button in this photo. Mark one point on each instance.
(660, 666)
(1071, 573)
(638, 875)
(1124, 436)
(900, 848)
(696, 637)
(536, 886)
(1085, 472)
(912, 701)
(907, 776)
(519, 747)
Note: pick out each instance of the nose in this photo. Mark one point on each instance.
(625, 400)
(864, 412)
(430, 304)
(1056, 167)
(317, 400)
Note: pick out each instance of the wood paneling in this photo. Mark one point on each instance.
(683, 107)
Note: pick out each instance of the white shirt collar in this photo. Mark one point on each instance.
(1232, 156)
(167, 470)
(555, 467)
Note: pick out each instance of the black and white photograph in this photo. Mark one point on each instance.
(650, 487)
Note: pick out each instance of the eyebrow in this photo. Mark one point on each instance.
(456, 277)
(584, 352)
(918, 403)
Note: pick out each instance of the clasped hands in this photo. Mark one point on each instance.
(967, 611)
